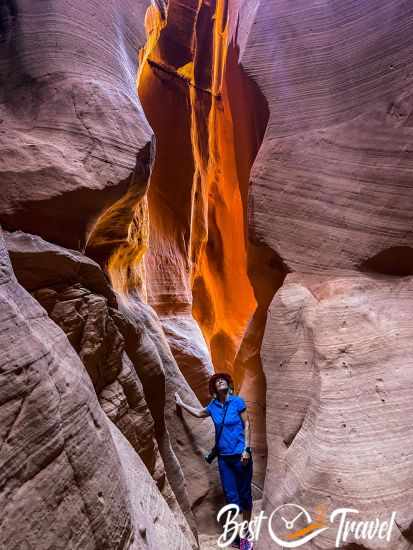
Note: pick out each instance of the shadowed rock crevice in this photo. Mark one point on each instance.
(75, 221)
(119, 237)
(288, 441)
(406, 532)
(396, 261)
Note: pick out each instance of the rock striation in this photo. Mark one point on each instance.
(334, 166)
(123, 347)
(125, 353)
(59, 459)
(73, 136)
(338, 386)
(330, 199)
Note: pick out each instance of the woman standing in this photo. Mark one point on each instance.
(232, 430)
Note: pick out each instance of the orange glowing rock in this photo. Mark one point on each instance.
(194, 95)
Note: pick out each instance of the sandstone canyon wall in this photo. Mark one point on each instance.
(76, 155)
(200, 185)
(331, 196)
(65, 480)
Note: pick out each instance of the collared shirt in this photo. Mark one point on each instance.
(232, 439)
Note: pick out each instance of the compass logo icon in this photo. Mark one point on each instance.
(291, 525)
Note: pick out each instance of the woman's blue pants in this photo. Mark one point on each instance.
(236, 480)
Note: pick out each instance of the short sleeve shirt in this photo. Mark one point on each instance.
(232, 439)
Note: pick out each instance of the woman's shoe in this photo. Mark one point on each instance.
(246, 545)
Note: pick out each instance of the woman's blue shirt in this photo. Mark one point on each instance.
(232, 439)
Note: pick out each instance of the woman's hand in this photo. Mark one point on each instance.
(245, 457)
(198, 413)
(178, 400)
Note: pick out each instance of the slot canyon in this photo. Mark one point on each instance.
(199, 186)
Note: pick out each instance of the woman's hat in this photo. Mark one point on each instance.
(214, 378)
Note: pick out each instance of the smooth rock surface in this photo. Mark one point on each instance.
(40, 264)
(183, 440)
(331, 185)
(73, 136)
(330, 197)
(62, 481)
(337, 356)
(87, 313)
(190, 351)
(156, 526)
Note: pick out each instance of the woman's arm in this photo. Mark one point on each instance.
(198, 413)
(246, 420)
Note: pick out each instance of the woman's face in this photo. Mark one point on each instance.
(221, 384)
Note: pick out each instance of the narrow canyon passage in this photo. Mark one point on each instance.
(201, 268)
